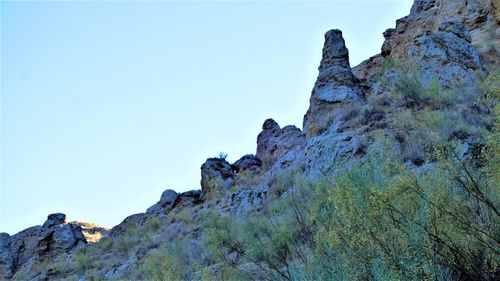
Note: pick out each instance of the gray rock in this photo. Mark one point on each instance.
(6, 258)
(216, 173)
(447, 55)
(55, 237)
(273, 141)
(55, 219)
(165, 204)
(168, 197)
(325, 153)
(336, 90)
(247, 200)
(247, 162)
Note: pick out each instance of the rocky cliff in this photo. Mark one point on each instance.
(449, 44)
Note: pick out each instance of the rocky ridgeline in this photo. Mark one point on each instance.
(444, 39)
(54, 237)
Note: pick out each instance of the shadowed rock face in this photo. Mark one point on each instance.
(336, 90)
(39, 242)
(273, 141)
(216, 173)
(247, 162)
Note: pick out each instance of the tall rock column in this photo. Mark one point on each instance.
(336, 91)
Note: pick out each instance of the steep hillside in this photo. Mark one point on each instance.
(395, 176)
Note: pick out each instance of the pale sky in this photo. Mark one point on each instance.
(106, 104)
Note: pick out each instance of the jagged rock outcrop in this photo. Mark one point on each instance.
(430, 14)
(169, 201)
(447, 55)
(336, 91)
(273, 141)
(248, 162)
(53, 238)
(480, 17)
(216, 173)
(445, 39)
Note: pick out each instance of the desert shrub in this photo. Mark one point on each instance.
(184, 217)
(277, 244)
(153, 224)
(222, 155)
(167, 264)
(407, 84)
(83, 261)
(381, 221)
(124, 243)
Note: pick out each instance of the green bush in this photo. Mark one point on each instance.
(83, 261)
(161, 266)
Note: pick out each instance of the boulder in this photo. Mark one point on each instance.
(336, 90)
(165, 204)
(216, 173)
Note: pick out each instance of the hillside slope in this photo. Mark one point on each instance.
(393, 177)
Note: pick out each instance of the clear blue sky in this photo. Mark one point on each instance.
(105, 105)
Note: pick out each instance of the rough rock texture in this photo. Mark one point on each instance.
(54, 237)
(274, 141)
(480, 17)
(247, 162)
(336, 90)
(165, 204)
(216, 173)
(93, 233)
(247, 200)
(428, 15)
(6, 257)
(447, 55)
(447, 40)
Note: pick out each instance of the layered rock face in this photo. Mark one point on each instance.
(336, 90)
(480, 17)
(447, 55)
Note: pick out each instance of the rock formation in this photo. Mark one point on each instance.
(31, 245)
(443, 39)
(336, 90)
(273, 141)
(216, 173)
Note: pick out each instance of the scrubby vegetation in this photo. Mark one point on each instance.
(424, 205)
(383, 219)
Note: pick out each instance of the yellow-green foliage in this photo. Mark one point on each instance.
(381, 221)
(491, 89)
(375, 221)
(411, 87)
(153, 224)
(83, 261)
(173, 261)
(185, 217)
